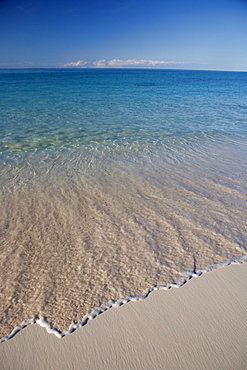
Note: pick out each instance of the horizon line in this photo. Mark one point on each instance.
(120, 68)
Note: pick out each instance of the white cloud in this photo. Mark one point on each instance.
(115, 63)
(120, 62)
(143, 62)
(79, 63)
(100, 63)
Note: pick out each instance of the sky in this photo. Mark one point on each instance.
(183, 34)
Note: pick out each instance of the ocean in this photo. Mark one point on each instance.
(114, 181)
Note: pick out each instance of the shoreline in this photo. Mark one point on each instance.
(200, 325)
(43, 322)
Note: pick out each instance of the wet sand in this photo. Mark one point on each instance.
(74, 237)
(201, 325)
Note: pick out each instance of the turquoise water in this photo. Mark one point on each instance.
(113, 181)
(44, 109)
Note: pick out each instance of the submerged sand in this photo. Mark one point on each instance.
(201, 325)
(78, 231)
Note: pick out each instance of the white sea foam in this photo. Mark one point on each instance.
(43, 322)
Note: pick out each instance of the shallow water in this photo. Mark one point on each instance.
(113, 181)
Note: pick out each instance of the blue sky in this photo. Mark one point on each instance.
(194, 34)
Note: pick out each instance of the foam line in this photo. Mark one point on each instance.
(42, 321)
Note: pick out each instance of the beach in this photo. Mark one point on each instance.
(123, 185)
(199, 325)
(114, 184)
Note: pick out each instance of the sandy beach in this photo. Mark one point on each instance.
(123, 172)
(201, 325)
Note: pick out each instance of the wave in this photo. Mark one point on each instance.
(188, 275)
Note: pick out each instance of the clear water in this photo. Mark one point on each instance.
(113, 181)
